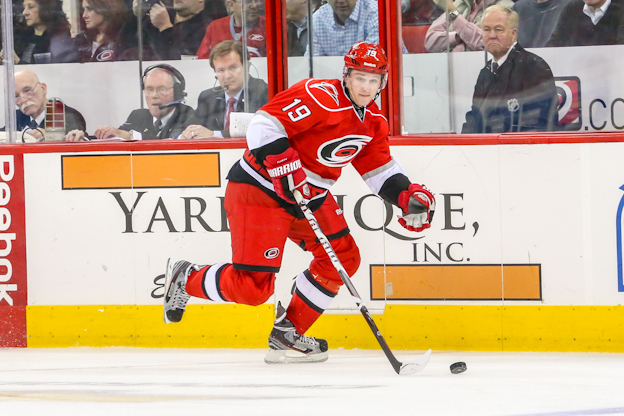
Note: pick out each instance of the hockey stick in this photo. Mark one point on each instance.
(400, 368)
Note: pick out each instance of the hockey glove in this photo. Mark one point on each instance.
(287, 175)
(418, 205)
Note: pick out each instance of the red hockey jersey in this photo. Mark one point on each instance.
(222, 29)
(321, 123)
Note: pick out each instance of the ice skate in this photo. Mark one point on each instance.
(288, 346)
(175, 298)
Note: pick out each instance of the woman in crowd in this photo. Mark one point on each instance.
(47, 37)
(101, 41)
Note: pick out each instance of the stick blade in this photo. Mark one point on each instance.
(415, 366)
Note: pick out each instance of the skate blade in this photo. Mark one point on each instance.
(293, 357)
(415, 366)
(168, 275)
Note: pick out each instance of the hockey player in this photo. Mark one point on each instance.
(300, 141)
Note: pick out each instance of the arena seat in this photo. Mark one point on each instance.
(414, 38)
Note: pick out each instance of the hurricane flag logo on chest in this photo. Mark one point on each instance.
(340, 152)
(328, 89)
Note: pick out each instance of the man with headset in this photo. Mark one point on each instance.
(211, 119)
(163, 86)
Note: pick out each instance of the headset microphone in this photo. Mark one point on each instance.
(171, 104)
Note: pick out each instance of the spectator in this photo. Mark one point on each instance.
(341, 23)
(589, 22)
(464, 32)
(103, 20)
(515, 90)
(214, 105)
(47, 38)
(172, 34)
(31, 99)
(297, 26)
(163, 86)
(537, 20)
(419, 12)
(231, 28)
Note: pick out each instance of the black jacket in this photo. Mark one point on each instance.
(521, 97)
(575, 28)
(59, 45)
(297, 45)
(73, 120)
(211, 106)
(142, 121)
(183, 38)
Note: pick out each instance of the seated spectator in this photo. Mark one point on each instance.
(163, 86)
(515, 90)
(464, 32)
(589, 22)
(101, 41)
(31, 99)
(341, 23)
(537, 20)
(212, 117)
(419, 12)
(173, 33)
(230, 28)
(297, 26)
(47, 38)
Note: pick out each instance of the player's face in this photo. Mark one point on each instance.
(31, 13)
(342, 8)
(30, 94)
(498, 36)
(91, 17)
(158, 90)
(229, 70)
(363, 87)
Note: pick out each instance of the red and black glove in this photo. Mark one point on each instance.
(287, 175)
(418, 205)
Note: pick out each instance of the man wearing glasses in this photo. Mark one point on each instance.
(31, 99)
(163, 86)
(212, 117)
(231, 28)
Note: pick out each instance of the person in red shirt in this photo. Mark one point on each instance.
(300, 141)
(231, 28)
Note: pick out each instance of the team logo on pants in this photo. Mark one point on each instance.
(272, 253)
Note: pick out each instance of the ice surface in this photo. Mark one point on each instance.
(137, 381)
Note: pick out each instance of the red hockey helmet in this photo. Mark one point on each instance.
(367, 57)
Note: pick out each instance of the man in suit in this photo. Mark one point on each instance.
(516, 89)
(214, 105)
(163, 86)
(31, 99)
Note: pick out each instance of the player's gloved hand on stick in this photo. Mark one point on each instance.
(287, 175)
(418, 205)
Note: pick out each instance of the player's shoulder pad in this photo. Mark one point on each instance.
(328, 94)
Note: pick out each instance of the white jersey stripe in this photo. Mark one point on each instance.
(264, 129)
(377, 177)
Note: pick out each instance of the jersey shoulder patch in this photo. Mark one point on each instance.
(326, 94)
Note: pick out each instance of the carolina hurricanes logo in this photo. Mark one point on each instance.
(106, 55)
(272, 253)
(339, 152)
(328, 88)
(256, 37)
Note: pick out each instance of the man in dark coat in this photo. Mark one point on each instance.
(31, 99)
(588, 23)
(177, 32)
(516, 90)
(214, 105)
(163, 87)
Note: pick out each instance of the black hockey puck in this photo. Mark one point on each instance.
(458, 368)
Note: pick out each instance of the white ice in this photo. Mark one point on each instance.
(137, 381)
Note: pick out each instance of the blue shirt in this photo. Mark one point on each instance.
(333, 39)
